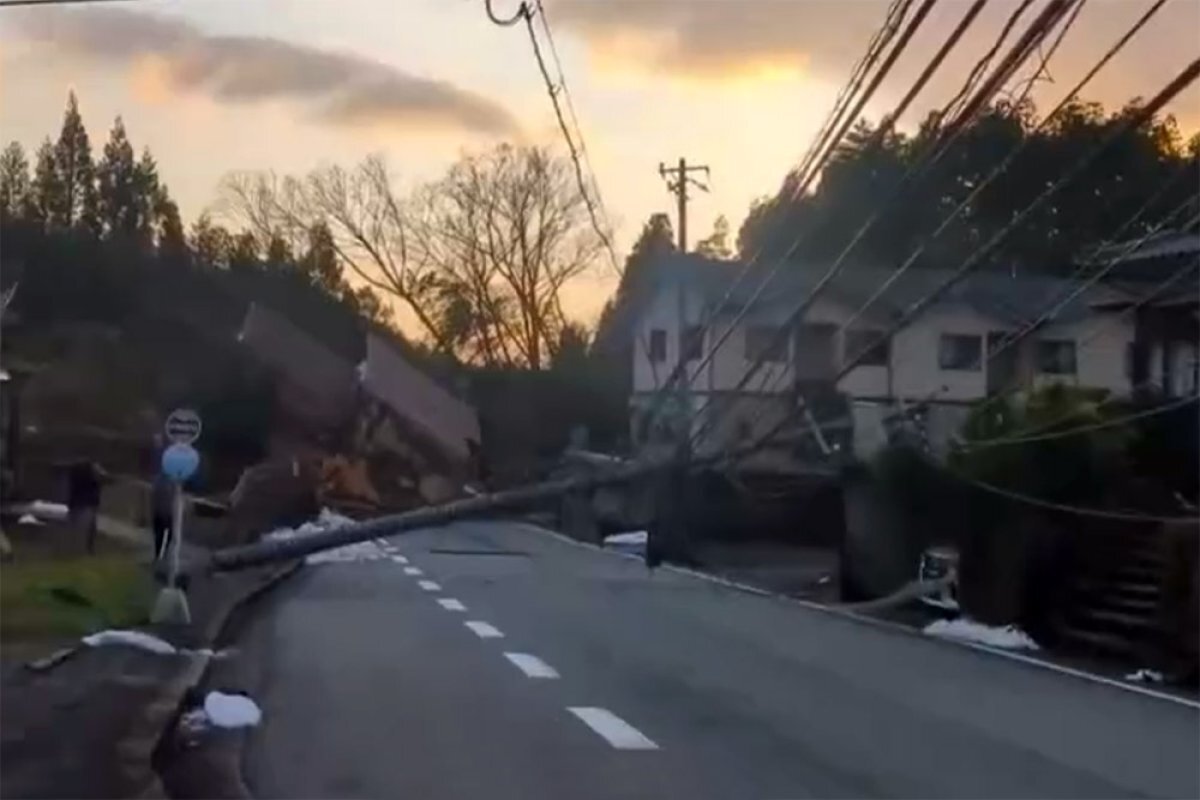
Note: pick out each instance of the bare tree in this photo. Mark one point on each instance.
(503, 232)
(479, 256)
(362, 211)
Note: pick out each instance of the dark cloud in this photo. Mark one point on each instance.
(338, 88)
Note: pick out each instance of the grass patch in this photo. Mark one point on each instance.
(43, 599)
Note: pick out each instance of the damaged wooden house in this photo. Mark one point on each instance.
(380, 434)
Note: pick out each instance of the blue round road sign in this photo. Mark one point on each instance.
(180, 461)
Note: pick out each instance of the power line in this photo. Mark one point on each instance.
(914, 24)
(1185, 78)
(554, 90)
(30, 3)
(1082, 511)
(939, 147)
(1098, 426)
(1053, 310)
(1132, 309)
(955, 103)
(878, 42)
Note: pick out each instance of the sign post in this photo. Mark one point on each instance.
(179, 462)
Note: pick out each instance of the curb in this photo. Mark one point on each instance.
(849, 613)
(136, 751)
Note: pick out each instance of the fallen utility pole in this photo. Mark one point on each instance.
(263, 552)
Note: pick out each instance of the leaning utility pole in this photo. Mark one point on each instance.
(677, 183)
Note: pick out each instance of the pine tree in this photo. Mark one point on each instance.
(76, 204)
(46, 192)
(168, 227)
(320, 263)
(14, 182)
(146, 191)
(717, 243)
(116, 180)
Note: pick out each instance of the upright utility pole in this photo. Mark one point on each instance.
(677, 183)
(668, 534)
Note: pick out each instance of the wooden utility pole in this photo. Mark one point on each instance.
(677, 179)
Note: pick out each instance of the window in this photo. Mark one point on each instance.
(658, 345)
(1056, 357)
(766, 343)
(691, 342)
(960, 352)
(870, 347)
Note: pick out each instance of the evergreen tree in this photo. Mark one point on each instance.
(320, 263)
(168, 227)
(243, 257)
(46, 190)
(76, 202)
(14, 182)
(717, 243)
(118, 188)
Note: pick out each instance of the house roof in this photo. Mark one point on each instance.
(1155, 259)
(1010, 299)
(443, 419)
(319, 384)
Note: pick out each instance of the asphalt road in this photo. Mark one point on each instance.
(608, 682)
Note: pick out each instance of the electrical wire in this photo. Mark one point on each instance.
(1044, 58)
(942, 144)
(774, 270)
(1184, 79)
(1132, 309)
(1082, 511)
(1078, 288)
(955, 103)
(1098, 426)
(882, 37)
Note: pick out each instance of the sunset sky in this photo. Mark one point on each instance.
(741, 85)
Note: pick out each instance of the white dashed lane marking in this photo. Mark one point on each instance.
(450, 604)
(413, 571)
(429, 586)
(532, 666)
(399, 559)
(616, 731)
(484, 630)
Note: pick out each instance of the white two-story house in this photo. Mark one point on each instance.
(939, 361)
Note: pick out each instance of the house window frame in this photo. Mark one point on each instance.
(878, 354)
(773, 347)
(691, 342)
(974, 364)
(1044, 359)
(656, 346)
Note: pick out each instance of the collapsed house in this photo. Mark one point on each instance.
(381, 433)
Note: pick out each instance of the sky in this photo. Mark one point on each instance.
(214, 86)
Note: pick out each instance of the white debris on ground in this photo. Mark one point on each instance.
(1145, 676)
(132, 638)
(29, 519)
(231, 710)
(221, 710)
(631, 542)
(1007, 637)
(43, 510)
(328, 520)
